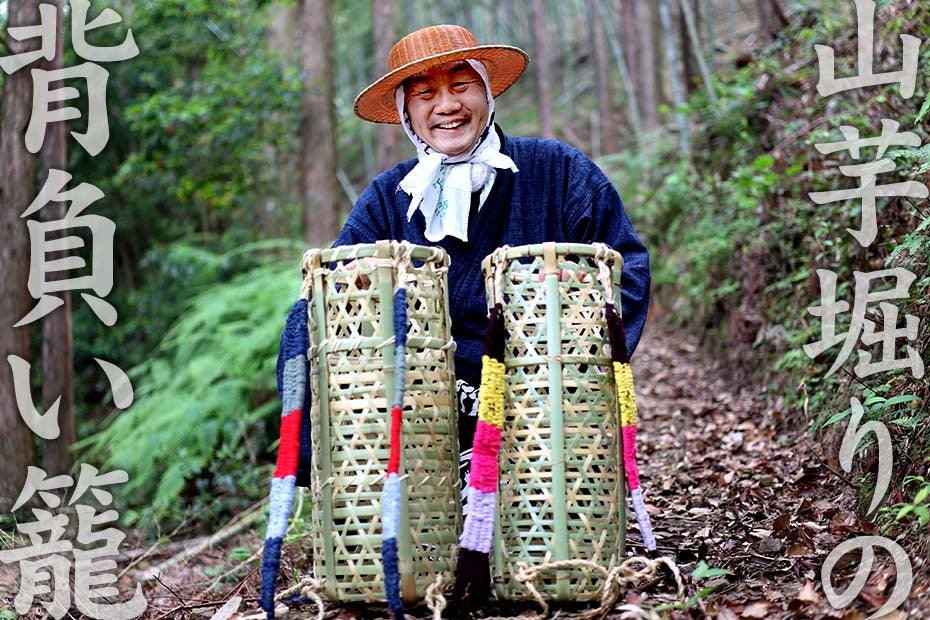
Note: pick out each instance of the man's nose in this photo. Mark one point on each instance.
(448, 101)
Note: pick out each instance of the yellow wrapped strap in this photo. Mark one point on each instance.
(491, 398)
(623, 375)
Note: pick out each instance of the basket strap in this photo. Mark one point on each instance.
(294, 446)
(623, 377)
(472, 573)
(391, 495)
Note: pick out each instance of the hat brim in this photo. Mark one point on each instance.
(504, 63)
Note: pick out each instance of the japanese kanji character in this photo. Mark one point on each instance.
(79, 26)
(860, 326)
(98, 130)
(45, 29)
(89, 480)
(45, 559)
(907, 76)
(94, 566)
(37, 481)
(867, 173)
(42, 562)
(100, 280)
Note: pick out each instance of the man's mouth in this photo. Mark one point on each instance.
(450, 125)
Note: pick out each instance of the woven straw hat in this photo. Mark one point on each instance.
(433, 46)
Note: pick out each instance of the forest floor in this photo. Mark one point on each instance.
(728, 481)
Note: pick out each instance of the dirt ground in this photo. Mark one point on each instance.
(728, 481)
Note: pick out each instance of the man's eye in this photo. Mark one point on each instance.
(426, 93)
(462, 85)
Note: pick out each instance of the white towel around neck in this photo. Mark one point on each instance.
(441, 186)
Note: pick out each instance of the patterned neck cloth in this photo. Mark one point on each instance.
(441, 186)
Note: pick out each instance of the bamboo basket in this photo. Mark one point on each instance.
(562, 490)
(353, 382)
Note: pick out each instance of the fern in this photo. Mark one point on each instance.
(203, 395)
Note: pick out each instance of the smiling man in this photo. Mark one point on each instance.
(473, 189)
(447, 106)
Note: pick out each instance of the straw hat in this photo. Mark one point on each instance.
(433, 46)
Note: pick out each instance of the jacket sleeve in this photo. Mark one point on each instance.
(602, 218)
(373, 217)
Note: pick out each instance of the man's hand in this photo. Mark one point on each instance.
(362, 281)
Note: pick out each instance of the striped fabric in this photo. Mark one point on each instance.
(472, 574)
(390, 500)
(623, 377)
(293, 465)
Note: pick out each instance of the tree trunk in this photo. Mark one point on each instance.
(766, 21)
(771, 19)
(711, 48)
(541, 45)
(671, 59)
(623, 69)
(17, 445)
(319, 188)
(608, 131)
(57, 345)
(647, 84)
(384, 30)
(630, 25)
(697, 47)
(688, 61)
(283, 36)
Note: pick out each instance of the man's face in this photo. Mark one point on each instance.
(448, 107)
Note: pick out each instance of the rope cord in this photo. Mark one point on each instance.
(435, 601)
(309, 588)
(615, 580)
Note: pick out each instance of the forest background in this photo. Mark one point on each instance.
(233, 147)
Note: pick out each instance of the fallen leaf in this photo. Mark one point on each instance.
(759, 609)
(807, 594)
(226, 611)
(781, 523)
(726, 613)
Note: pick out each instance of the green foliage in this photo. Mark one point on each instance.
(736, 241)
(917, 509)
(702, 572)
(198, 434)
(873, 405)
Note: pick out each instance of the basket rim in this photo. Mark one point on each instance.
(509, 253)
(380, 249)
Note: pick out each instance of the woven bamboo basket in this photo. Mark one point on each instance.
(562, 490)
(353, 382)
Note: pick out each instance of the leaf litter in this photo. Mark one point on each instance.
(740, 497)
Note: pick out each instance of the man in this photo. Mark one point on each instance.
(473, 189)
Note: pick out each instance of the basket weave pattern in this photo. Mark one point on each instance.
(352, 378)
(562, 491)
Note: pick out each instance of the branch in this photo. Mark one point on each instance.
(235, 526)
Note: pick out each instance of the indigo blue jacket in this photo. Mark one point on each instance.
(559, 194)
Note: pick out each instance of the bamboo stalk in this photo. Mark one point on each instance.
(326, 501)
(557, 424)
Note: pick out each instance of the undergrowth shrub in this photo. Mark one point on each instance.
(196, 440)
(736, 241)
